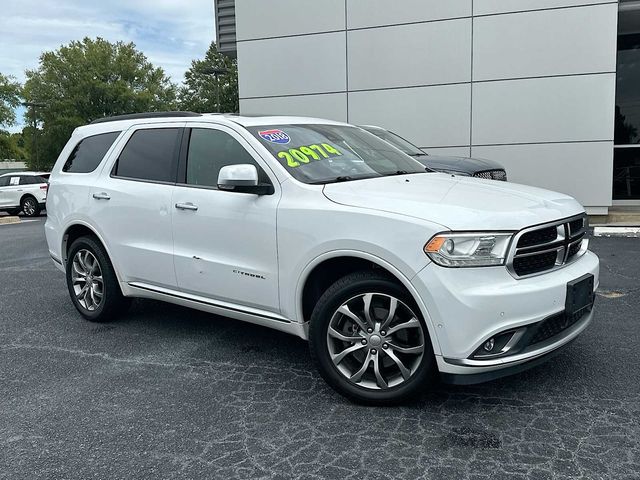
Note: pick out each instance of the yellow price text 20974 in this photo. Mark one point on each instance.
(301, 155)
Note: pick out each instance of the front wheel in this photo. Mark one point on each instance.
(92, 282)
(369, 341)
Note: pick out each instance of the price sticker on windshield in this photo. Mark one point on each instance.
(305, 154)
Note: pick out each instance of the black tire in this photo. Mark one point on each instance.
(112, 303)
(343, 290)
(29, 206)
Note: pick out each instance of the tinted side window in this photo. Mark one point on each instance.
(4, 181)
(27, 180)
(150, 155)
(89, 153)
(209, 151)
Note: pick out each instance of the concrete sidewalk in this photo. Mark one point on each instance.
(618, 216)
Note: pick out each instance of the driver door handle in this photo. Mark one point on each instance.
(101, 196)
(186, 206)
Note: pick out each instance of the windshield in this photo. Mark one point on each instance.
(395, 140)
(333, 153)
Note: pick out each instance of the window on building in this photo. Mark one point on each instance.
(626, 158)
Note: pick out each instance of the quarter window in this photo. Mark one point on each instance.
(150, 154)
(209, 151)
(4, 181)
(88, 154)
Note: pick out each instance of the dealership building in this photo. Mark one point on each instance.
(549, 88)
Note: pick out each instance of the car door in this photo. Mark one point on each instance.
(4, 198)
(131, 203)
(12, 193)
(224, 241)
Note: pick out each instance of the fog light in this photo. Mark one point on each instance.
(489, 344)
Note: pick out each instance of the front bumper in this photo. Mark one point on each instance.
(467, 306)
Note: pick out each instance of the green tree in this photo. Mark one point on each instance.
(10, 148)
(201, 90)
(90, 79)
(10, 93)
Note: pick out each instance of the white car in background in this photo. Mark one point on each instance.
(322, 230)
(24, 192)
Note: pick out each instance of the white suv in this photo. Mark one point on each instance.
(24, 192)
(322, 230)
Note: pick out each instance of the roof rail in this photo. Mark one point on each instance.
(133, 116)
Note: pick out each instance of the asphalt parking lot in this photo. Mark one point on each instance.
(168, 392)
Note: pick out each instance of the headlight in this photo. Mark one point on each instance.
(453, 172)
(477, 249)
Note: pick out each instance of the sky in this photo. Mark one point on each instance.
(170, 33)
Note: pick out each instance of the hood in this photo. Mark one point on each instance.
(458, 164)
(458, 203)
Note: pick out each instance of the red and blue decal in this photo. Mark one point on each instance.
(275, 136)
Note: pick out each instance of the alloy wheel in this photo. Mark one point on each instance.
(376, 341)
(87, 281)
(29, 207)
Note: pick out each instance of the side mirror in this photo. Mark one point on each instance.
(242, 178)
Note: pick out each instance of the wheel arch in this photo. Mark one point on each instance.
(79, 229)
(26, 195)
(348, 261)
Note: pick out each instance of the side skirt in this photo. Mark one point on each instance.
(237, 312)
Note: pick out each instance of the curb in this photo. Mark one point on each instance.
(9, 220)
(610, 231)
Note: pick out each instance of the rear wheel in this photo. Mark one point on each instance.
(92, 282)
(29, 207)
(369, 341)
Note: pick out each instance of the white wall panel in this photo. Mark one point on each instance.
(332, 106)
(369, 13)
(548, 42)
(421, 54)
(434, 116)
(483, 7)
(557, 109)
(582, 170)
(294, 65)
(275, 18)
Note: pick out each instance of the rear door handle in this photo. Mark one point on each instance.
(101, 196)
(186, 206)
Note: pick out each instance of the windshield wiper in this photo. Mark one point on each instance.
(399, 172)
(341, 178)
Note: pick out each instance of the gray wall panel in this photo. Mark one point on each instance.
(548, 42)
(582, 170)
(449, 151)
(331, 106)
(433, 116)
(276, 18)
(293, 65)
(421, 54)
(483, 7)
(556, 109)
(368, 13)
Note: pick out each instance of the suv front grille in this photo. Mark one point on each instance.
(547, 247)
(492, 175)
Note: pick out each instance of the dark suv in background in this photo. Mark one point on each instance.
(469, 167)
